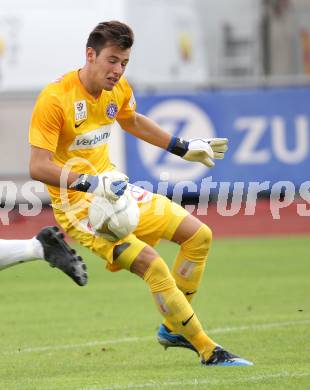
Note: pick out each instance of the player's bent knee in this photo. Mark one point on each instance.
(143, 261)
(197, 246)
(206, 234)
(158, 276)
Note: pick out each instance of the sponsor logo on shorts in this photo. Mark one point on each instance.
(112, 110)
(92, 139)
(139, 194)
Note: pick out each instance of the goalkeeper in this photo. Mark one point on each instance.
(69, 134)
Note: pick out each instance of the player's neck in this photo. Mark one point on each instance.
(88, 84)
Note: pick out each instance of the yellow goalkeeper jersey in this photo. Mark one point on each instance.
(76, 127)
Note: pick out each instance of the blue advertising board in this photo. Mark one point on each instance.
(268, 132)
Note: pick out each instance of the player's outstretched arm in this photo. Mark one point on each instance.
(201, 150)
(146, 129)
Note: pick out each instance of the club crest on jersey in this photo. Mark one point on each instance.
(80, 110)
(111, 110)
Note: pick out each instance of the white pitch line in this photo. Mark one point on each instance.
(269, 325)
(83, 345)
(147, 338)
(202, 382)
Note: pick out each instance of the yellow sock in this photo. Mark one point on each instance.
(191, 260)
(174, 307)
(190, 263)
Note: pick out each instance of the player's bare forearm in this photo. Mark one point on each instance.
(42, 168)
(146, 129)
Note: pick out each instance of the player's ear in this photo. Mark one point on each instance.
(90, 55)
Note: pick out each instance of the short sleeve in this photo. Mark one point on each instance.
(46, 122)
(129, 105)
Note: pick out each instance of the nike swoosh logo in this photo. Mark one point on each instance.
(78, 125)
(187, 321)
(190, 293)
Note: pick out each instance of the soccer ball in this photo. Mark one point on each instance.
(114, 220)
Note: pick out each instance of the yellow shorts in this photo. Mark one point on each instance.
(159, 218)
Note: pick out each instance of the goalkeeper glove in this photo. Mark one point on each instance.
(110, 185)
(199, 149)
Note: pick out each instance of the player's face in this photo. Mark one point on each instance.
(108, 66)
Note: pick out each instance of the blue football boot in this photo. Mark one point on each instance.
(220, 357)
(168, 339)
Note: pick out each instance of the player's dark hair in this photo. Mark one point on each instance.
(110, 33)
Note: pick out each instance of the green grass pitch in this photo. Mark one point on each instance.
(254, 300)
